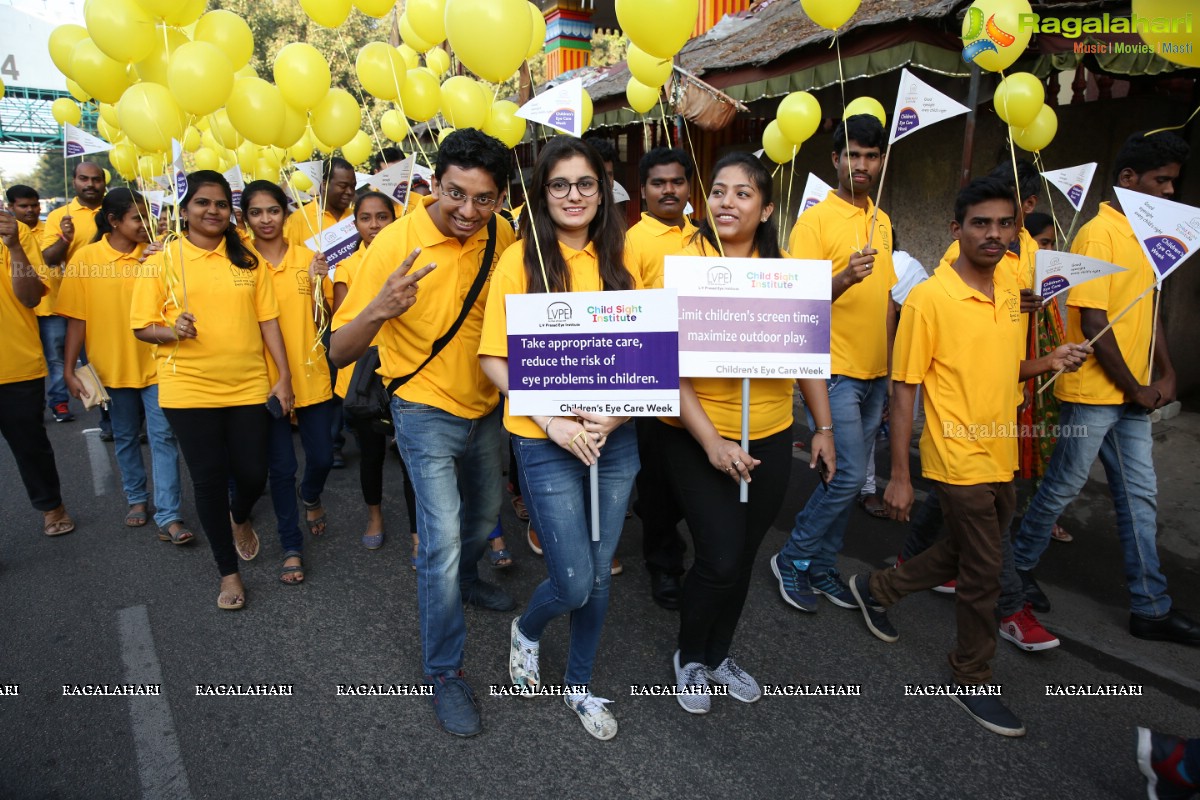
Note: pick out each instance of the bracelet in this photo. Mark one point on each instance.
(546, 429)
(823, 429)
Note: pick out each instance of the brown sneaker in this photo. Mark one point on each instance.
(532, 538)
(617, 569)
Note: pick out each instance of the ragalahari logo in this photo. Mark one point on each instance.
(994, 38)
(558, 312)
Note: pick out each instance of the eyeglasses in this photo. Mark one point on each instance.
(480, 200)
(560, 187)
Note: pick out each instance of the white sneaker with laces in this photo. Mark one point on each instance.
(523, 662)
(691, 684)
(597, 720)
(741, 684)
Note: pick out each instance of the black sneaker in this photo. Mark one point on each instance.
(482, 594)
(454, 705)
(1033, 593)
(106, 436)
(873, 613)
(339, 461)
(990, 712)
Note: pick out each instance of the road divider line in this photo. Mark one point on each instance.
(102, 472)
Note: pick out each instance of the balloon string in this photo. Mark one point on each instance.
(837, 44)
(787, 205)
(411, 133)
(1059, 234)
(703, 192)
(537, 244)
(357, 90)
(1175, 127)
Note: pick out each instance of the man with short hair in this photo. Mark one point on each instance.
(385, 158)
(447, 413)
(331, 206)
(67, 229)
(1106, 405)
(962, 339)
(862, 327)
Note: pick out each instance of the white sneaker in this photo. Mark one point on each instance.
(597, 720)
(742, 685)
(691, 681)
(522, 663)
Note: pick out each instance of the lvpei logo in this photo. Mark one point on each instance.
(558, 312)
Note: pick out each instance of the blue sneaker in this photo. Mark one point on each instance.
(793, 584)
(455, 705)
(835, 589)
(873, 614)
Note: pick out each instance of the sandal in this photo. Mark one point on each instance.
(180, 535)
(871, 504)
(229, 600)
(501, 559)
(315, 526)
(245, 551)
(136, 519)
(1059, 534)
(518, 504)
(59, 525)
(295, 572)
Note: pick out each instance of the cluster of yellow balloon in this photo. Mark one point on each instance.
(1020, 100)
(657, 30)
(798, 117)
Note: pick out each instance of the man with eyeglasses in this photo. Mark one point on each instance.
(446, 413)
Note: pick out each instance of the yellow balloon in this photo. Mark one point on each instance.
(326, 13)
(65, 110)
(77, 91)
(154, 66)
(302, 149)
(649, 70)
(185, 13)
(537, 38)
(160, 8)
(256, 110)
(799, 116)
(120, 28)
(443, 134)
(100, 76)
(200, 78)
(336, 118)
(62, 45)
(1178, 47)
(375, 8)
(641, 97)
(659, 27)
(777, 146)
(109, 112)
(464, 102)
(247, 156)
(228, 160)
(124, 158)
(108, 132)
(322, 148)
(358, 149)
(504, 124)
(380, 70)
(412, 59)
(191, 139)
(427, 18)
(206, 159)
(149, 168)
(302, 75)
(410, 36)
(226, 135)
(866, 105)
(1019, 98)
(150, 117)
(230, 33)
(264, 170)
(107, 176)
(992, 35)
(438, 61)
(294, 124)
(421, 97)
(831, 14)
(1038, 134)
(394, 125)
(299, 181)
(587, 112)
(490, 37)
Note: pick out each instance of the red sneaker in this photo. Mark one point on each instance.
(1024, 630)
(949, 587)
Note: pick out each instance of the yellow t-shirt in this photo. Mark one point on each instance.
(770, 399)
(305, 352)
(82, 217)
(225, 365)
(834, 229)
(302, 224)
(649, 242)
(344, 274)
(965, 350)
(31, 243)
(98, 289)
(1109, 237)
(21, 356)
(454, 381)
(509, 278)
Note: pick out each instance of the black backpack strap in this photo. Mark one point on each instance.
(485, 268)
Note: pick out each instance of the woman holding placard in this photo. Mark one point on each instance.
(572, 239)
(708, 463)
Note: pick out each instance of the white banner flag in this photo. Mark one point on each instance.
(312, 169)
(1073, 182)
(77, 142)
(1057, 271)
(919, 105)
(236, 184)
(396, 180)
(815, 190)
(1169, 232)
(619, 193)
(336, 242)
(179, 172)
(560, 108)
(156, 200)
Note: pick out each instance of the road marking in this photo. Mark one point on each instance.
(102, 472)
(160, 763)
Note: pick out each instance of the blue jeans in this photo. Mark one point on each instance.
(126, 413)
(558, 496)
(454, 465)
(53, 331)
(315, 438)
(857, 408)
(1120, 434)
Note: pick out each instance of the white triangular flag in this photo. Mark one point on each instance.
(336, 242)
(919, 105)
(179, 172)
(1168, 232)
(362, 179)
(619, 193)
(236, 184)
(312, 169)
(156, 200)
(815, 190)
(1057, 271)
(1073, 182)
(396, 180)
(77, 142)
(560, 108)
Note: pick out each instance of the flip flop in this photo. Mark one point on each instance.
(297, 570)
(136, 519)
(181, 536)
(242, 554)
(1059, 534)
(237, 601)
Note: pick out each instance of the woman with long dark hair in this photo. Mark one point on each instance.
(708, 463)
(96, 296)
(573, 232)
(211, 311)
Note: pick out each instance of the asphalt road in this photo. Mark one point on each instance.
(111, 605)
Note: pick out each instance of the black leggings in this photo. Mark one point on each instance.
(726, 535)
(23, 427)
(220, 444)
(372, 450)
